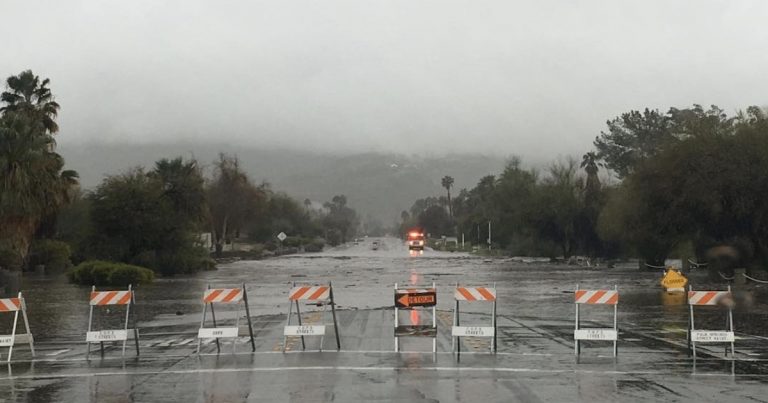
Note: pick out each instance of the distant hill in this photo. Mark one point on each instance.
(377, 184)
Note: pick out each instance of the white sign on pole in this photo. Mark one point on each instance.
(217, 332)
(304, 330)
(596, 334)
(473, 331)
(106, 335)
(712, 336)
(281, 236)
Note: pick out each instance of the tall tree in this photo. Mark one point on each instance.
(447, 183)
(589, 163)
(341, 217)
(592, 203)
(184, 186)
(632, 138)
(557, 206)
(34, 185)
(232, 198)
(29, 95)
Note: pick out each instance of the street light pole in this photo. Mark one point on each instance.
(489, 235)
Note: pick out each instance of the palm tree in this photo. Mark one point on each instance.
(183, 185)
(590, 164)
(33, 185)
(447, 184)
(29, 95)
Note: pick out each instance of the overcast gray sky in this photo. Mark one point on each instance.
(529, 78)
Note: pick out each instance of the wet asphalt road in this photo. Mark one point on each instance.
(535, 359)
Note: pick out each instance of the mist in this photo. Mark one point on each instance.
(495, 77)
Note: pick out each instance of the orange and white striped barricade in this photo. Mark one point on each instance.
(107, 299)
(411, 299)
(597, 297)
(225, 296)
(473, 294)
(712, 299)
(318, 295)
(16, 305)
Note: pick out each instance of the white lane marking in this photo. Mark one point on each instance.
(361, 369)
(184, 342)
(57, 352)
(382, 352)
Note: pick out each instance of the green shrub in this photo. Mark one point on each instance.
(99, 272)
(292, 241)
(183, 261)
(315, 246)
(55, 255)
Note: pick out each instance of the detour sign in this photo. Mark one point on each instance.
(411, 298)
(673, 279)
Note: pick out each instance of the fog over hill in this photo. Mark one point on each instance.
(377, 184)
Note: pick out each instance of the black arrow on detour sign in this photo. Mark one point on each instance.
(408, 300)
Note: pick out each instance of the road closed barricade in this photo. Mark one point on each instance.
(237, 297)
(107, 300)
(416, 298)
(471, 295)
(318, 295)
(711, 299)
(596, 297)
(16, 306)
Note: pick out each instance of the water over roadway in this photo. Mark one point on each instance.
(535, 360)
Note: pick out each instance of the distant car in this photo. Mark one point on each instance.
(415, 239)
(375, 245)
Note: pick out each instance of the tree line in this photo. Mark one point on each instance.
(682, 183)
(151, 218)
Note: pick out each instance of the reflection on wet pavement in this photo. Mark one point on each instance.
(535, 360)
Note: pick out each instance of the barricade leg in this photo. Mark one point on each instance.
(202, 325)
(690, 333)
(457, 322)
(90, 322)
(213, 318)
(730, 320)
(576, 349)
(335, 323)
(26, 324)
(322, 320)
(730, 325)
(127, 315)
(493, 319)
(434, 325)
(287, 323)
(248, 315)
(397, 339)
(455, 310)
(135, 325)
(298, 317)
(13, 335)
(616, 326)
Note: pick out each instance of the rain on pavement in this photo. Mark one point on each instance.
(535, 359)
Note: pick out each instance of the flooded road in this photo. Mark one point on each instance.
(535, 359)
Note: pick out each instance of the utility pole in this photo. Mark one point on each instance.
(489, 235)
